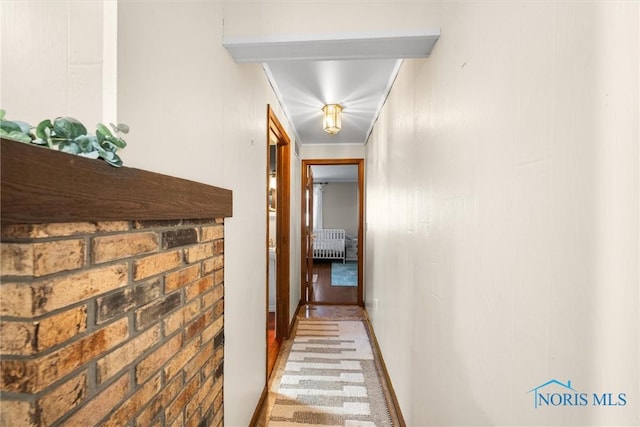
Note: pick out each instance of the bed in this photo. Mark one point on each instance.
(329, 243)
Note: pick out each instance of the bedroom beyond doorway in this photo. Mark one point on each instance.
(332, 231)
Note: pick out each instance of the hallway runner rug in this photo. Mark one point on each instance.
(330, 379)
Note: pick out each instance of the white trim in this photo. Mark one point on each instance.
(383, 100)
(276, 91)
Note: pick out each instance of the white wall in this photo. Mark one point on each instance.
(327, 151)
(502, 208)
(340, 206)
(276, 17)
(49, 68)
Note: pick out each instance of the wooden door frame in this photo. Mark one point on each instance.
(335, 162)
(283, 221)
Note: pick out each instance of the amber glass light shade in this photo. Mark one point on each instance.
(332, 118)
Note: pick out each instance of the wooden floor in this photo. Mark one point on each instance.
(273, 344)
(324, 293)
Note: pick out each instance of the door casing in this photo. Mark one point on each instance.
(303, 259)
(283, 221)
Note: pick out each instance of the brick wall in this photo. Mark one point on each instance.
(112, 324)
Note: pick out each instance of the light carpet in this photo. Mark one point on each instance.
(330, 379)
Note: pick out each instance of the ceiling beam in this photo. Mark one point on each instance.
(375, 45)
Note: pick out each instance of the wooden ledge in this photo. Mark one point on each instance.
(39, 185)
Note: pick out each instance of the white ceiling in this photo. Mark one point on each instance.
(360, 86)
(354, 70)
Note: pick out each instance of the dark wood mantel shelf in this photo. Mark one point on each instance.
(40, 185)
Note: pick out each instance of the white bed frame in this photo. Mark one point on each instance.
(329, 243)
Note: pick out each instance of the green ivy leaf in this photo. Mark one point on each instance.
(121, 127)
(15, 135)
(24, 126)
(109, 146)
(90, 155)
(19, 136)
(84, 142)
(69, 147)
(68, 127)
(114, 161)
(9, 126)
(69, 135)
(40, 130)
(119, 142)
(103, 133)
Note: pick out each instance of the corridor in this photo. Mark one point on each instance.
(500, 239)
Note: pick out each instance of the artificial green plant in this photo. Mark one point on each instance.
(70, 136)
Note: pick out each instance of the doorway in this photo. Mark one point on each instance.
(332, 231)
(278, 230)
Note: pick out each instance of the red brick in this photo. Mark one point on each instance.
(118, 246)
(199, 252)
(17, 413)
(61, 327)
(218, 277)
(120, 358)
(127, 411)
(178, 405)
(213, 400)
(61, 362)
(53, 294)
(17, 338)
(212, 330)
(18, 375)
(154, 361)
(16, 259)
(211, 297)
(118, 303)
(63, 399)
(158, 403)
(112, 226)
(213, 232)
(179, 421)
(181, 278)
(175, 365)
(195, 364)
(195, 328)
(199, 287)
(58, 255)
(177, 238)
(98, 407)
(175, 320)
(21, 231)
(210, 265)
(157, 223)
(155, 310)
(194, 404)
(156, 264)
(17, 299)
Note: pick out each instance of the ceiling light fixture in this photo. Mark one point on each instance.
(332, 120)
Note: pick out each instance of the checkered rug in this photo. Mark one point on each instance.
(330, 379)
